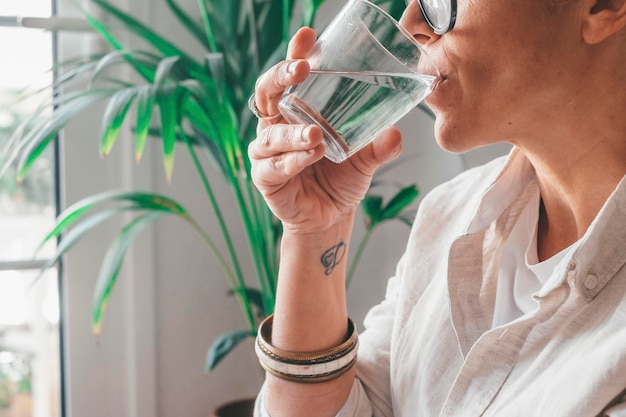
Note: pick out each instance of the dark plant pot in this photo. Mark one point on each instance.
(239, 408)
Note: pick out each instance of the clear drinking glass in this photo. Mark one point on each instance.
(367, 72)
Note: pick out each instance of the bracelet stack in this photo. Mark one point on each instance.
(306, 367)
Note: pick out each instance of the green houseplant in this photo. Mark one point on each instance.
(200, 104)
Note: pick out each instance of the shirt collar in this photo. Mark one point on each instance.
(508, 184)
(602, 249)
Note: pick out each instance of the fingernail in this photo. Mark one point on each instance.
(306, 134)
(291, 68)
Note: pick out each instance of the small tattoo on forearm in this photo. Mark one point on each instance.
(332, 257)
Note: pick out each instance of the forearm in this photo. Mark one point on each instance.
(311, 315)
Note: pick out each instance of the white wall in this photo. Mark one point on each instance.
(170, 302)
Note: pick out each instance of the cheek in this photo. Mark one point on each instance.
(496, 79)
(481, 107)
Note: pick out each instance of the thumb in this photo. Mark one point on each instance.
(386, 147)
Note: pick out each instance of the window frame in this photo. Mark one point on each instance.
(38, 264)
(113, 373)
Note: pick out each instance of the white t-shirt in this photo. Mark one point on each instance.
(521, 275)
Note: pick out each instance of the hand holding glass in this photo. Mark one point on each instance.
(367, 72)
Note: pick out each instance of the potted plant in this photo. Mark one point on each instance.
(199, 103)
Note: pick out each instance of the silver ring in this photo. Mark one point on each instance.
(255, 110)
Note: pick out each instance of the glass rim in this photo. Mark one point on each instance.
(402, 29)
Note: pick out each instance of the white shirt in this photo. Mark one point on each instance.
(521, 275)
(430, 348)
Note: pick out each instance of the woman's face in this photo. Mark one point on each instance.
(508, 66)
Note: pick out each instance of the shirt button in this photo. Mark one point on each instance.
(590, 282)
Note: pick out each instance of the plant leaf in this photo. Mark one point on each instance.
(167, 99)
(34, 152)
(224, 344)
(117, 57)
(143, 201)
(111, 40)
(165, 69)
(168, 95)
(254, 297)
(145, 104)
(215, 64)
(114, 116)
(372, 206)
(401, 200)
(112, 264)
(309, 9)
(188, 23)
(208, 29)
(33, 144)
(76, 233)
(164, 46)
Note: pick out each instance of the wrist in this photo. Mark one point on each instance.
(324, 252)
(312, 233)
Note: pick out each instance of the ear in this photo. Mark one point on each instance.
(603, 19)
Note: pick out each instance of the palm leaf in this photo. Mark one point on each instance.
(168, 100)
(372, 206)
(217, 123)
(206, 21)
(168, 97)
(34, 143)
(254, 296)
(375, 212)
(216, 66)
(145, 105)
(81, 230)
(28, 128)
(143, 201)
(112, 264)
(400, 201)
(63, 74)
(309, 9)
(164, 46)
(114, 116)
(142, 58)
(111, 40)
(224, 344)
(188, 22)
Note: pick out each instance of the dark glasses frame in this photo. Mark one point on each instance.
(431, 21)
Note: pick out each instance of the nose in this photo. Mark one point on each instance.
(413, 20)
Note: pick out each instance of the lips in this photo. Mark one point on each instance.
(440, 79)
(436, 96)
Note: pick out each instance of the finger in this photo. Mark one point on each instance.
(272, 173)
(281, 138)
(272, 83)
(386, 147)
(301, 43)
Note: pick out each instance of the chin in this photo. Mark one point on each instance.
(450, 138)
(454, 138)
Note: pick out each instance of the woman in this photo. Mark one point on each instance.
(510, 299)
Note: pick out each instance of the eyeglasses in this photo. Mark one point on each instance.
(439, 14)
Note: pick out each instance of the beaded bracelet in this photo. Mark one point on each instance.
(307, 367)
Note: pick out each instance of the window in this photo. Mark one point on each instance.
(30, 371)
